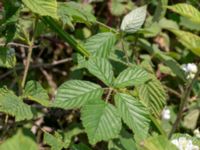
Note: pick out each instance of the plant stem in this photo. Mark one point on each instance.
(107, 27)
(109, 94)
(30, 49)
(184, 102)
(125, 52)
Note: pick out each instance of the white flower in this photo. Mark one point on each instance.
(197, 133)
(190, 69)
(184, 144)
(166, 114)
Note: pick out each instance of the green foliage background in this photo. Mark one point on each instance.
(95, 74)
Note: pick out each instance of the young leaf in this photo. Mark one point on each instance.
(101, 44)
(42, 7)
(75, 93)
(14, 106)
(102, 69)
(101, 121)
(134, 114)
(134, 20)
(153, 95)
(186, 10)
(189, 40)
(55, 141)
(22, 140)
(131, 76)
(7, 57)
(35, 92)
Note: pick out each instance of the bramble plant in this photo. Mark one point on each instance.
(102, 75)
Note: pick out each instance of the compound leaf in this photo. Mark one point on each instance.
(134, 114)
(131, 76)
(42, 7)
(101, 121)
(102, 69)
(101, 44)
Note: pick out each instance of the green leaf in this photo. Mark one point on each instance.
(7, 57)
(124, 142)
(22, 140)
(101, 121)
(8, 22)
(191, 119)
(42, 7)
(102, 69)
(185, 22)
(14, 106)
(101, 44)
(55, 141)
(131, 76)
(134, 20)
(157, 143)
(75, 93)
(35, 92)
(134, 114)
(118, 7)
(153, 95)
(189, 40)
(186, 10)
(160, 10)
(80, 146)
(75, 12)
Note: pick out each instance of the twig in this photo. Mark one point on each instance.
(184, 102)
(47, 65)
(18, 45)
(27, 65)
(173, 92)
(107, 27)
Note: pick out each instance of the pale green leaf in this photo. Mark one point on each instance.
(186, 10)
(75, 93)
(134, 20)
(189, 40)
(157, 143)
(42, 7)
(102, 69)
(14, 106)
(134, 114)
(7, 57)
(153, 95)
(101, 44)
(22, 140)
(191, 119)
(131, 76)
(101, 121)
(35, 92)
